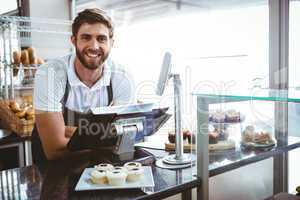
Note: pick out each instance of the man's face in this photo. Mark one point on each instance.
(92, 44)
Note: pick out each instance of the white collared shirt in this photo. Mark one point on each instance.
(51, 79)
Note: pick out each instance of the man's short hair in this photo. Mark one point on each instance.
(92, 16)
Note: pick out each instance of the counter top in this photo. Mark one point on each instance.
(57, 180)
(227, 160)
(7, 137)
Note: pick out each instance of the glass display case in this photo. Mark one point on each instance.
(258, 126)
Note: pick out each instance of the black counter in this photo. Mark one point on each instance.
(7, 137)
(57, 180)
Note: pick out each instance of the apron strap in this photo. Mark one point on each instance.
(109, 93)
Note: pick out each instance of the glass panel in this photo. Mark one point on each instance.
(294, 80)
(290, 95)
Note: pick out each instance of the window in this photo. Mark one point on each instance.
(8, 6)
(212, 43)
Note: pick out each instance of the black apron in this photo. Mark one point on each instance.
(71, 118)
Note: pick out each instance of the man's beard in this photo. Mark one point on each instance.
(96, 63)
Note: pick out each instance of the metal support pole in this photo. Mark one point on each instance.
(5, 62)
(279, 79)
(12, 91)
(202, 149)
(178, 118)
(179, 159)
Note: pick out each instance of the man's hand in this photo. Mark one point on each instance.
(70, 130)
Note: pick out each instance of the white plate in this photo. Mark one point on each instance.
(85, 183)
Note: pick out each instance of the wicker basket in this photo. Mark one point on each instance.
(10, 121)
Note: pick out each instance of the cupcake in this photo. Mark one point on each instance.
(248, 134)
(99, 177)
(213, 137)
(232, 116)
(116, 177)
(171, 137)
(120, 168)
(262, 137)
(131, 165)
(104, 167)
(217, 117)
(135, 174)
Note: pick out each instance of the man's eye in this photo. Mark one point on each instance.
(85, 37)
(102, 39)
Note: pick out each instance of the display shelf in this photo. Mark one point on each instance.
(221, 162)
(212, 164)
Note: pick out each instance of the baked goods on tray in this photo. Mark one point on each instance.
(257, 138)
(187, 136)
(229, 116)
(105, 173)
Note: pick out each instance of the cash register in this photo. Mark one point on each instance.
(118, 128)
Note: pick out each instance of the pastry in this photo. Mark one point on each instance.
(171, 137)
(116, 177)
(16, 62)
(16, 57)
(248, 134)
(120, 168)
(99, 177)
(25, 61)
(14, 106)
(31, 55)
(30, 111)
(232, 116)
(135, 174)
(189, 136)
(40, 61)
(131, 165)
(213, 137)
(262, 138)
(218, 117)
(21, 114)
(104, 167)
(25, 57)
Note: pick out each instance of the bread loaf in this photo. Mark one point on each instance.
(30, 111)
(21, 114)
(16, 62)
(25, 57)
(16, 57)
(40, 61)
(32, 55)
(25, 61)
(14, 106)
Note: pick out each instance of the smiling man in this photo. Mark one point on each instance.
(67, 88)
